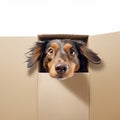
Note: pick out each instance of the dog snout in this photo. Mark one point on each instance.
(61, 68)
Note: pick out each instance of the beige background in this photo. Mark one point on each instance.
(18, 85)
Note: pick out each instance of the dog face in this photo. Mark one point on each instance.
(61, 57)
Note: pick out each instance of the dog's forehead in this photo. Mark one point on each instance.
(60, 42)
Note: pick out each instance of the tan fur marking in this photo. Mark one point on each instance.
(37, 49)
(55, 46)
(77, 67)
(67, 47)
(36, 56)
(50, 64)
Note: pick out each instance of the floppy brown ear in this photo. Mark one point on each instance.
(88, 53)
(35, 53)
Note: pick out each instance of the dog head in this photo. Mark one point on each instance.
(61, 57)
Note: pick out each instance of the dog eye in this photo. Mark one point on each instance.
(72, 52)
(50, 51)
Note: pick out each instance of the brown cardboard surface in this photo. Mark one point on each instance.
(18, 85)
(105, 78)
(65, 99)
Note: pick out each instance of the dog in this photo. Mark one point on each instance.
(62, 57)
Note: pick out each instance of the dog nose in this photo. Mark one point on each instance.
(61, 68)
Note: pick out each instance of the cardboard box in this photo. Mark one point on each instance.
(28, 95)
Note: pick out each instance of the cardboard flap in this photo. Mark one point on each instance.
(63, 36)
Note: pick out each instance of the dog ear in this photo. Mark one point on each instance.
(88, 53)
(35, 53)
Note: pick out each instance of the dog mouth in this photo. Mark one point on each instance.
(62, 77)
(59, 76)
